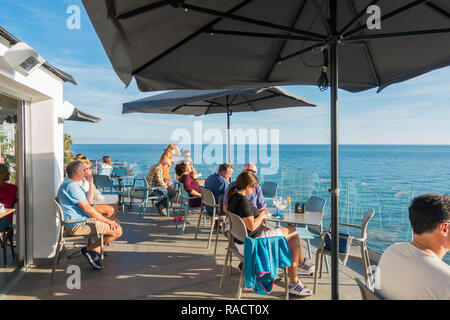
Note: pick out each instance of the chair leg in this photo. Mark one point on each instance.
(315, 273)
(186, 212)
(4, 245)
(286, 284)
(198, 224)
(217, 239)
(211, 231)
(10, 238)
(326, 264)
(224, 266)
(102, 252)
(241, 284)
(57, 254)
(308, 242)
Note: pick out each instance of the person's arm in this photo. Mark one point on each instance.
(160, 179)
(252, 223)
(190, 188)
(90, 211)
(91, 192)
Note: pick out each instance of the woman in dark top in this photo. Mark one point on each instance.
(238, 204)
(190, 185)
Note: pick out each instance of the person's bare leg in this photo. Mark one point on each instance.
(108, 210)
(290, 233)
(108, 236)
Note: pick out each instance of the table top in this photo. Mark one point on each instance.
(6, 212)
(106, 199)
(307, 218)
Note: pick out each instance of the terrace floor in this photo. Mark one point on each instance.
(153, 261)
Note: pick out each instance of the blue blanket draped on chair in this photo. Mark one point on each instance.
(262, 258)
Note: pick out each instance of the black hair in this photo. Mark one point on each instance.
(428, 211)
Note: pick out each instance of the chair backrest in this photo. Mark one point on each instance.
(208, 198)
(315, 204)
(269, 189)
(105, 171)
(237, 226)
(366, 293)
(103, 182)
(119, 172)
(367, 216)
(59, 211)
(183, 192)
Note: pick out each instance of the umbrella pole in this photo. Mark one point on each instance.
(228, 134)
(334, 156)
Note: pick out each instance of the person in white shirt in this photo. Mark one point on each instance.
(108, 210)
(415, 271)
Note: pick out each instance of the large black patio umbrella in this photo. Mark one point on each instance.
(221, 44)
(204, 102)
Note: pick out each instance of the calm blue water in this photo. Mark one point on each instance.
(383, 177)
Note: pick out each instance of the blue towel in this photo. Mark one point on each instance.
(262, 258)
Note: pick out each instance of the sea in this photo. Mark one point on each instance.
(383, 177)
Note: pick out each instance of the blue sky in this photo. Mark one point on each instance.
(414, 112)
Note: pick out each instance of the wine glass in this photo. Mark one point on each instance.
(282, 206)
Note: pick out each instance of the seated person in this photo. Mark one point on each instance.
(187, 159)
(218, 182)
(257, 197)
(191, 186)
(239, 204)
(8, 195)
(75, 206)
(108, 210)
(170, 152)
(105, 164)
(415, 270)
(155, 178)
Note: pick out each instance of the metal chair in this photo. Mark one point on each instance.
(239, 231)
(105, 171)
(7, 235)
(269, 190)
(140, 190)
(314, 204)
(362, 254)
(366, 293)
(208, 199)
(104, 183)
(62, 234)
(184, 207)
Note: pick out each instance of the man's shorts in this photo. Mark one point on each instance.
(91, 228)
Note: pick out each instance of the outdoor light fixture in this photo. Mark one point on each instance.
(22, 58)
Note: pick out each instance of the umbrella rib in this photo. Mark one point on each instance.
(366, 47)
(438, 9)
(293, 55)
(187, 39)
(387, 16)
(259, 35)
(396, 35)
(137, 11)
(316, 36)
(357, 17)
(283, 45)
(255, 100)
(323, 19)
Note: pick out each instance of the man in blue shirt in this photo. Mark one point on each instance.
(75, 205)
(219, 182)
(257, 197)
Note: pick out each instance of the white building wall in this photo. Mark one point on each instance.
(45, 92)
